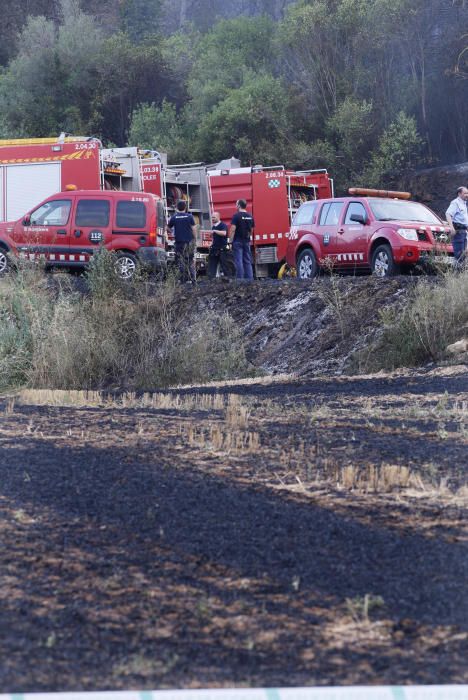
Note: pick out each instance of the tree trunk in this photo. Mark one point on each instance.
(183, 12)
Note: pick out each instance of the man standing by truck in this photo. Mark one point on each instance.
(220, 253)
(185, 232)
(240, 233)
(457, 217)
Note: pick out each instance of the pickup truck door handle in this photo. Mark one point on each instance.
(341, 230)
(62, 231)
(77, 233)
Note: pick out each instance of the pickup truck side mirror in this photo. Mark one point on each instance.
(26, 220)
(359, 218)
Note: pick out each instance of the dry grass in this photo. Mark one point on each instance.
(121, 336)
(360, 607)
(435, 315)
(152, 400)
(222, 439)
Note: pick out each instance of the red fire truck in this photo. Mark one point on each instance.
(33, 169)
(273, 195)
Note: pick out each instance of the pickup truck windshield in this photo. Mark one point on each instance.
(398, 210)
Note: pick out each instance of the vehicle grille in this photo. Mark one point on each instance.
(441, 237)
(266, 254)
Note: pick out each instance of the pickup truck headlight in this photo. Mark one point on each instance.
(409, 233)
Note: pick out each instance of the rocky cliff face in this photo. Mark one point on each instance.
(435, 187)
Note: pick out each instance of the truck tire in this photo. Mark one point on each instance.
(383, 264)
(126, 265)
(5, 264)
(306, 266)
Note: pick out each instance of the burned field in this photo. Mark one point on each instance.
(267, 534)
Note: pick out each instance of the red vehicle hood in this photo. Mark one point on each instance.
(415, 224)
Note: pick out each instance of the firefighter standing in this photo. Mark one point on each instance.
(457, 217)
(240, 233)
(185, 231)
(220, 251)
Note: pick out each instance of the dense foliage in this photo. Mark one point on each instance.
(364, 87)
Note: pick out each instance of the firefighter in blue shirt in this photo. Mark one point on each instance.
(185, 232)
(457, 217)
(240, 233)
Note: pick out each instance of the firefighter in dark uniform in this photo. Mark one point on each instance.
(240, 233)
(220, 251)
(185, 231)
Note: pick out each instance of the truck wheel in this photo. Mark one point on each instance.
(126, 265)
(383, 264)
(4, 261)
(306, 264)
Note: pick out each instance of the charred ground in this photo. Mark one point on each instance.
(309, 328)
(267, 532)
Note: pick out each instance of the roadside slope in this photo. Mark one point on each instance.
(311, 328)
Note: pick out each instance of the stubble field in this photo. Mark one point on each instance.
(260, 533)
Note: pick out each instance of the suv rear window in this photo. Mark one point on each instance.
(131, 214)
(92, 212)
(305, 215)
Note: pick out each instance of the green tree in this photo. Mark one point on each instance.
(228, 53)
(352, 125)
(140, 18)
(160, 128)
(128, 75)
(312, 53)
(31, 93)
(252, 122)
(399, 148)
(46, 87)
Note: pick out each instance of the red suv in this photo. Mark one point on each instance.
(67, 228)
(376, 230)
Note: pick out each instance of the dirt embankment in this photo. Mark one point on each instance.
(311, 328)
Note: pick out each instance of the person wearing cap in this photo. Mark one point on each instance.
(185, 231)
(457, 217)
(240, 233)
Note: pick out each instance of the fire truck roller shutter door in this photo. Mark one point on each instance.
(26, 185)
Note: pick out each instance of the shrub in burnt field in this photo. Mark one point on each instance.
(127, 338)
(101, 277)
(435, 315)
(22, 313)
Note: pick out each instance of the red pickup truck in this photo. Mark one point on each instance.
(370, 230)
(67, 229)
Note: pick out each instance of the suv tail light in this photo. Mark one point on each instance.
(153, 232)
